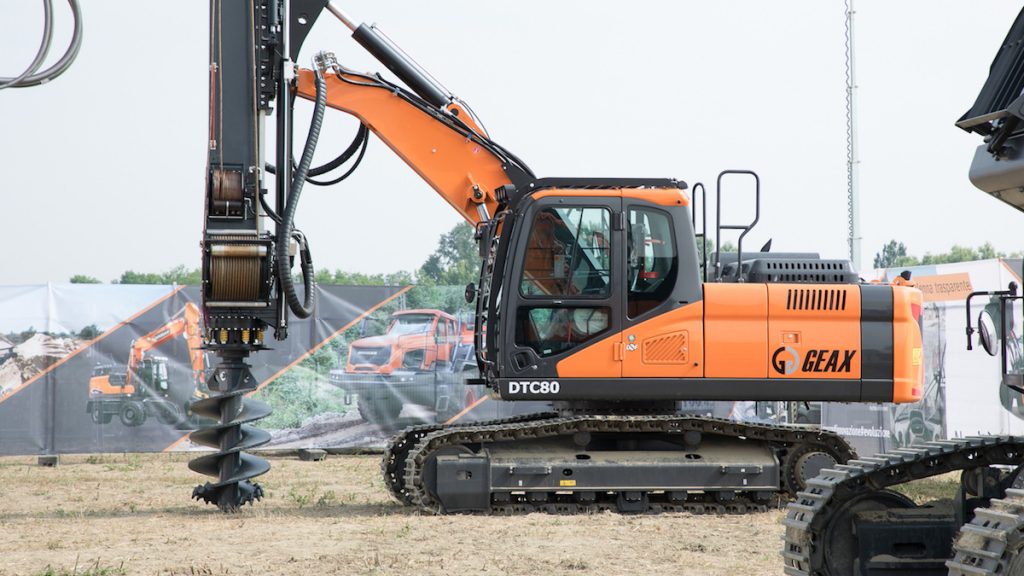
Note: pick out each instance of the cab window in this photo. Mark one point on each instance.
(651, 260)
(568, 253)
(552, 330)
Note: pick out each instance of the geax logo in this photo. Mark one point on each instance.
(786, 359)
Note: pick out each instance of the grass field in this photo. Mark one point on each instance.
(131, 514)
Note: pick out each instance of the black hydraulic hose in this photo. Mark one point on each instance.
(353, 147)
(44, 47)
(361, 136)
(347, 173)
(287, 227)
(58, 68)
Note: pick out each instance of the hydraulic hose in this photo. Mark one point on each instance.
(286, 230)
(32, 78)
(361, 135)
(44, 47)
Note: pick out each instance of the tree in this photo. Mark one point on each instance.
(177, 275)
(83, 279)
(894, 254)
(456, 261)
(90, 332)
(963, 254)
(325, 276)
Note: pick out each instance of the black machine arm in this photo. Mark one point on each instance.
(247, 268)
(248, 288)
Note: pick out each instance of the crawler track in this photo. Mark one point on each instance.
(407, 456)
(392, 465)
(810, 516)
(993, 543)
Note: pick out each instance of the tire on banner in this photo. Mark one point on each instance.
(382, 411)
(133, 413)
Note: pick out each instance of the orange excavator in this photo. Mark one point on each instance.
(143, 388)
(593, 296)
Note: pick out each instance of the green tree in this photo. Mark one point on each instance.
(89, 332)
(325, 276)
(133, 277)
(894, 254)
(83, 279)
(962, 254)
(177, 275)
(456, 261)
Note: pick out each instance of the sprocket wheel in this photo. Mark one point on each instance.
(803, 462)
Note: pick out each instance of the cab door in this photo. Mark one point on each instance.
(663, 310)
(564, 291)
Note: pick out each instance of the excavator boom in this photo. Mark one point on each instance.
(451, 155)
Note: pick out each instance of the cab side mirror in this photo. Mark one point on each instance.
(987, 333)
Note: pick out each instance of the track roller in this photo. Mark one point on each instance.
(232, 411)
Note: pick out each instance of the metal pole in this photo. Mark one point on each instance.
(852, 159)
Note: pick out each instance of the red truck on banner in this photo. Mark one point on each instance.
(422, 359)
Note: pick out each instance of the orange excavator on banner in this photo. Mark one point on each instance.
(143, 388)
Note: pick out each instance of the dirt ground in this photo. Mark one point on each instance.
(131, 514)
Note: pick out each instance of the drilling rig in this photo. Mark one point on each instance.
(593, 295)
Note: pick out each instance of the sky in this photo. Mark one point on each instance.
(102, 170)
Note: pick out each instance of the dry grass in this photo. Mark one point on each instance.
(129, 514)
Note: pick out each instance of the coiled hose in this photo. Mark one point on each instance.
(286, 230)
(30, 77)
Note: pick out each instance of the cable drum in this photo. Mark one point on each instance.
(234, 279)
(238, 268)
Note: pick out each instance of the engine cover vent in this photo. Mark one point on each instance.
(667, 348)
(798, 271)
(816, 299)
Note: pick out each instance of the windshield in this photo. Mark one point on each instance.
(411, 324)
(568, 253)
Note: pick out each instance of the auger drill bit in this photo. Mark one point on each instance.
(227, 404)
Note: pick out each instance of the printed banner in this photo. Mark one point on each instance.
(100, 368)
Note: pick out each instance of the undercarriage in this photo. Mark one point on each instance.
(628, 463)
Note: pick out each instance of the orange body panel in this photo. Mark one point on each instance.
(735, 330)
(666, 346)
(449, 162)
(820, 324)
(659, 196)
(602, 359)
(772, 332)
(908, 365)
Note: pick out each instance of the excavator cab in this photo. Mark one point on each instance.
(587, 260)
(153, 374)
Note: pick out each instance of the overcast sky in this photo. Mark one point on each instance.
(102, 170)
